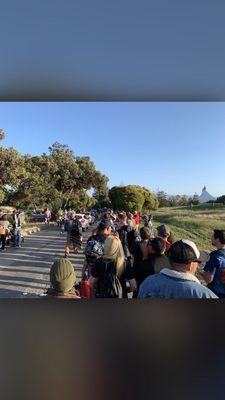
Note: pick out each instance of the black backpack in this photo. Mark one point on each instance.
(75, 229)
(95, 246)
(109, 285)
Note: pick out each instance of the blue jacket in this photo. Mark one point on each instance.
(171, 284)
(216, 265)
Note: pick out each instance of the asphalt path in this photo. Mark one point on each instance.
(24, 272)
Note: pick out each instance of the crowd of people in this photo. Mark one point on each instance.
(124, 258)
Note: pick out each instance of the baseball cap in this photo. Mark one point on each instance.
(163, 230)
(105, 223)
(186, 251)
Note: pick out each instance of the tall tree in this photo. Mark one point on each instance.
(162, 198)
(131, 198)
(57, 179)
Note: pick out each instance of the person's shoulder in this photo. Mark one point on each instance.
(160, 259)
(214, 253)
(221, 253)
(72, 294)
(153, 279)
(92, 238)
(197, 290)
(150, 286)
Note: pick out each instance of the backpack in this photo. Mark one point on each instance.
(95, 246)
(75, 230)
(123, 235)
(132, 237)
(109, 285)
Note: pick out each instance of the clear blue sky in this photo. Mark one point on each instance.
(176, 147)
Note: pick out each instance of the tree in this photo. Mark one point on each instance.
(220, 199)
(174, 200)
(150, 202)
(195, 199)
(56, 179)
(131, 198)
(102, 199)
(184, 200)
(12, 167)
(3, 195)
(162, 199)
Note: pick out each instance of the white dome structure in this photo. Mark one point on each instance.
(205, 196)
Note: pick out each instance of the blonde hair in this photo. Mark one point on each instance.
(113, 250)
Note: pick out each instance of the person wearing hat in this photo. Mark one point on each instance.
(105, 227)
(178, 281)
(62, 278)
(163, 232)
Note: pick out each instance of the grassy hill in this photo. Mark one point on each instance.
(196, 224)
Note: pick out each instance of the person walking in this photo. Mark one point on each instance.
(214, 270)
(17, 227)
(108, 270)
(4, 230)
(60, 218)
(74, 236)
(48, 215)
(178, 281)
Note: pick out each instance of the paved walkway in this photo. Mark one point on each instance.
(24, 272)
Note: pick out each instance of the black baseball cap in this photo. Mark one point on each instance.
(186, 251)
(105, 223)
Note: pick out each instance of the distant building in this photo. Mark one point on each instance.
(205, 196)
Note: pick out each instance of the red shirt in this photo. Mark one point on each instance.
(137, 219)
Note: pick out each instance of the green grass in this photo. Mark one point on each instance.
(196, 224)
